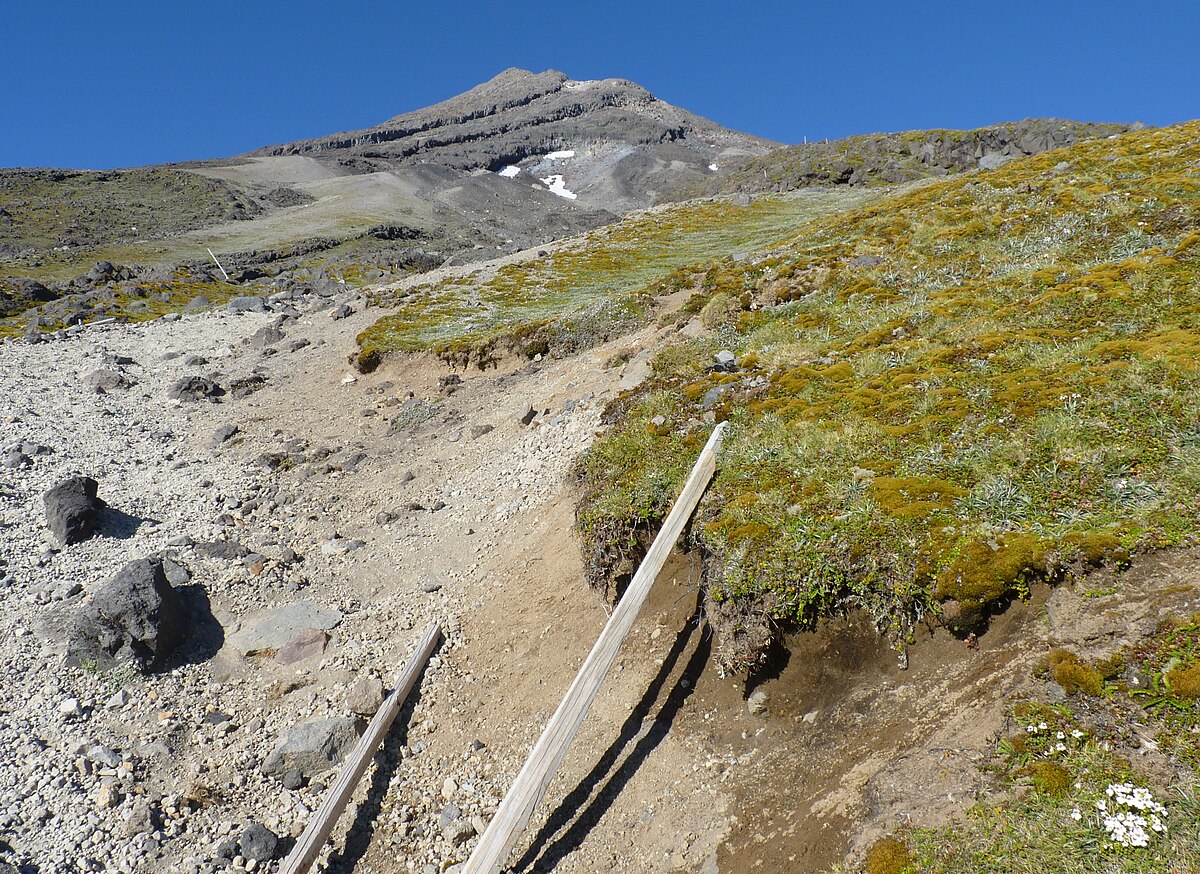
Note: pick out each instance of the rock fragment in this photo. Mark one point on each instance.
(136, 616)
(72, 509)
(195, 388)
(312, 747)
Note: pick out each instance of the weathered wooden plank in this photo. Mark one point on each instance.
(513, 814)
(316, 833)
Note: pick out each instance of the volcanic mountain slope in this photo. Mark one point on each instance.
(619, 146)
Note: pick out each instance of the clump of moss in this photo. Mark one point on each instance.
(1072, 674)
(1185, 682)
(888, 855)
(1049, 778)
(987, 572)
(368, 360)
(1097, 549)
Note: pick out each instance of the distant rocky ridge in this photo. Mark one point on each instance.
(890, 158)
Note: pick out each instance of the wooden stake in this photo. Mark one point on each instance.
(513, 815)
(219, 267)
(316, 833)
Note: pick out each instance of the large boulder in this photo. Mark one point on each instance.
(136, 616)
(313, 747)
(72, 509)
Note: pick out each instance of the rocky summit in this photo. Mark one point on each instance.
(265, 418)
(621, 147)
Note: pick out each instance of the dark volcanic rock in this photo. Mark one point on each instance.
(72, 509)
(257, 842)
(136, 616)
(195, 388)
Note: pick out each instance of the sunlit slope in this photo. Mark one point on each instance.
(595, 276)
(941, 396)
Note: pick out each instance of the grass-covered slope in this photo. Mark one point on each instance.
(940, 396)
(56, 221)
(586, 287)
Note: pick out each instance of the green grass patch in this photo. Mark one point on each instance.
(580, 280)
(1004, 391)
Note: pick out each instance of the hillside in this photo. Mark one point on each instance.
(937, 610)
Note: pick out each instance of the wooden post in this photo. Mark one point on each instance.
(219, 267)
(513, 814)
(316, 833)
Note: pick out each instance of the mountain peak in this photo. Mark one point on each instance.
(519, 116)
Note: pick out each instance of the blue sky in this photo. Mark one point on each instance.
(127, 83)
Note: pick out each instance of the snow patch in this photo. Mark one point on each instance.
(557, 156)
(509, 172)
(713, 167)
(558, 186)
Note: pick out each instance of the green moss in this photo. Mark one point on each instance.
(1184, 682)
(1050, 778)
(908, 497)
(1074, 676)
(986, 572)
(888, 855)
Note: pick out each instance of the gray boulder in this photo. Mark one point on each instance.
(195, 388)
(247, 304)
(313, 747)
(266, 336)
(72, 509)
(102, 381)
(136, 616)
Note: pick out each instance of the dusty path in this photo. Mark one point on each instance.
(399, 497)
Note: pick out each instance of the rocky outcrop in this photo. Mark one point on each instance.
(905, 157)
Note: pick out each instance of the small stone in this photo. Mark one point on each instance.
(103, 756)
(118, 700)
(449, 788)
(758, 701)
(725, 359)
(365, 696)
(478, 431)
(431, 587)
(222, 435)
(141, 820)
(107, 796)
(70, 708)
(526, 415)
(258, 843)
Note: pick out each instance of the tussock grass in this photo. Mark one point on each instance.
(1004, 389)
